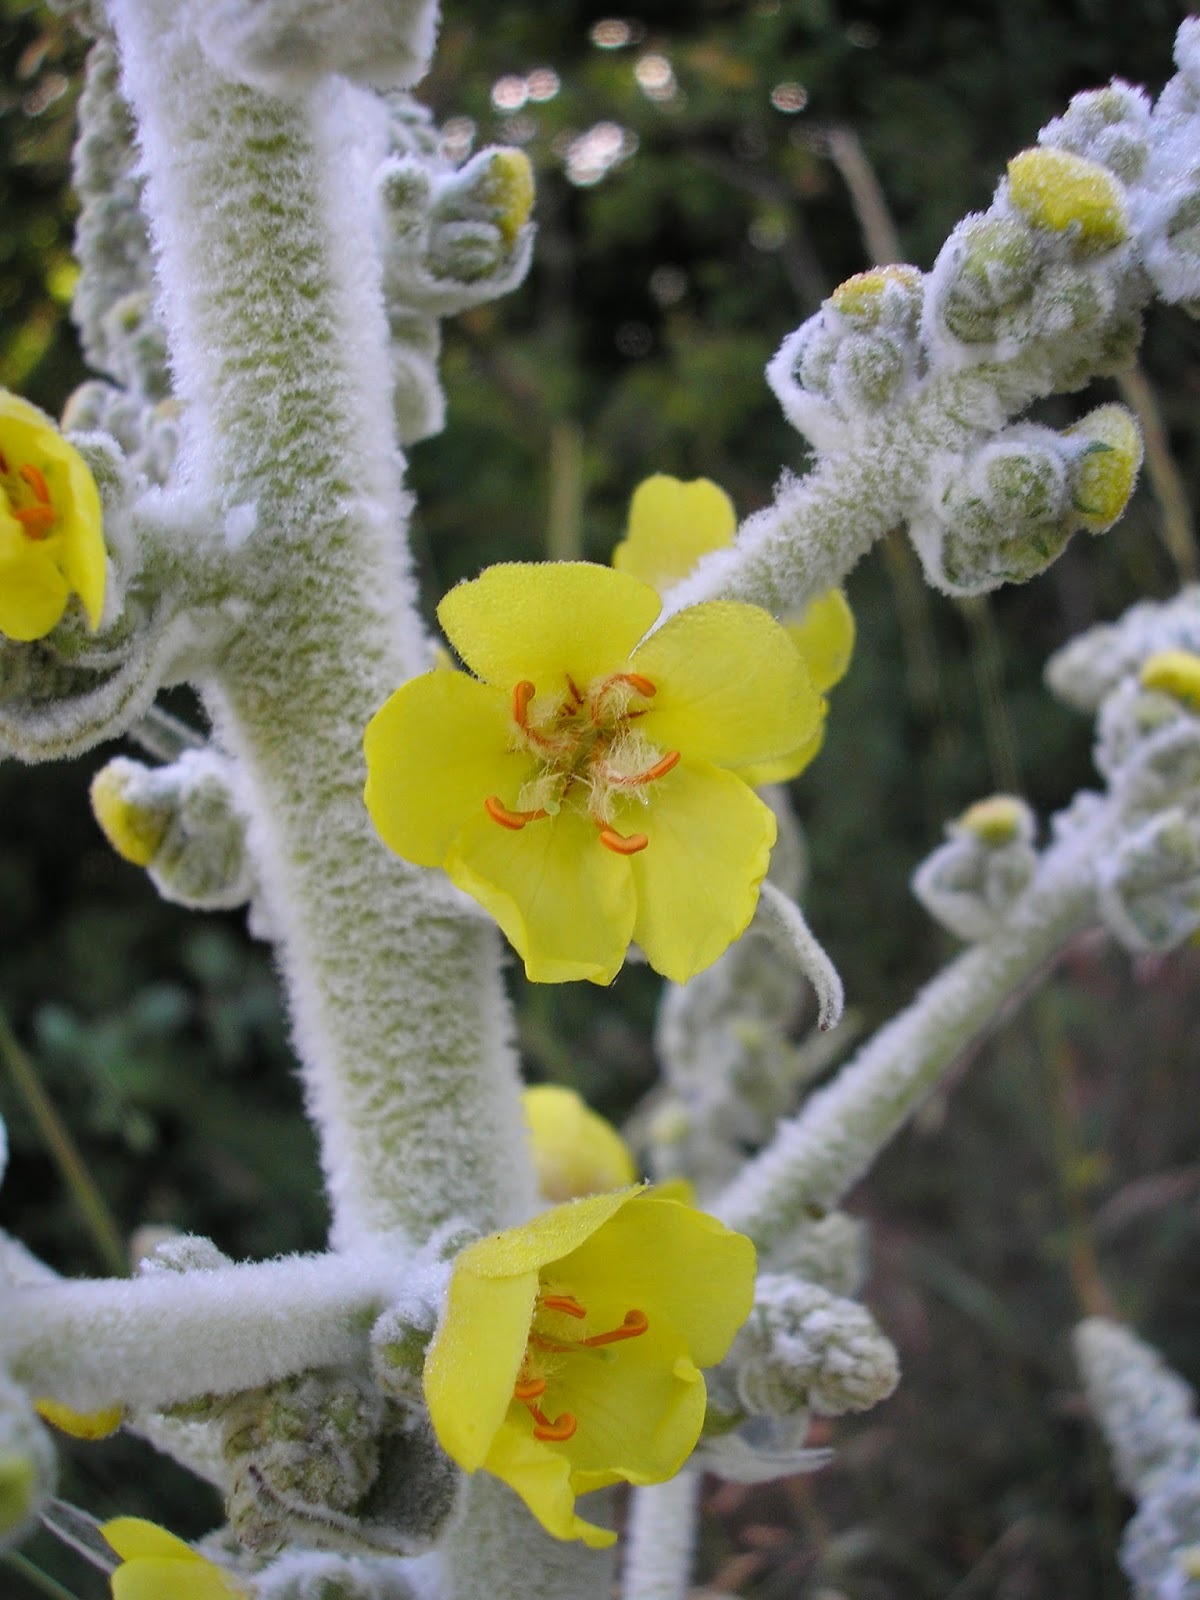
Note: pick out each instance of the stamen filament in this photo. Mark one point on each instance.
(621, 845)
(516, 820)
(33, 477)
(659, 770)
(564, 1302)
(634, 1325)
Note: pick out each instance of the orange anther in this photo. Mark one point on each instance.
(563, 1427)
(36, 482)
(635, 1324)
(523, 693)
(527, 1389)
(36, 520)
(660, 768)
(564, 1302)
(516, 820)
(620, 845)
(636, 681)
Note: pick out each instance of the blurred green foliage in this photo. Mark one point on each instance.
(637, 345)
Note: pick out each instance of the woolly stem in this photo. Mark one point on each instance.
(817, 1156)
(660, 1541)
(270, 283)
(165, 1338)
(496, 1550)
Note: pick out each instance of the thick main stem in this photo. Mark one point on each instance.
(270, 280)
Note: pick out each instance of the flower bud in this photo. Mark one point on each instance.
(1108, 126)
(80, 1424)
(284, 46)
(1066, 194)
(970, 882)
(987, 267)
(575, 1151)
(1174, 672)
(28, 1467)
(1106, 470)
(886, 296)
(1149, 884)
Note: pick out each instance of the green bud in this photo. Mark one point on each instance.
(995, 269)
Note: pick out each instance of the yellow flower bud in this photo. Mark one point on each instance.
(509, 189)
(575, 1151)
(999, 820)
(1103, 480)
(1057, 190)
(135, 830)
(80, 1424)
(1174, 672)
(860, 298)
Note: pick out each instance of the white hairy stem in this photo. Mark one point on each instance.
(270, 278)
(660, 1541)
(168, 1337)
(495, 1551)
(817, 1156)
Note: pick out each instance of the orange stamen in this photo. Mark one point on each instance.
(658, 770)
(636, 681)
(634, 1325)
(620, 845)
(564, 1302)
(36, 482)
(516, 820)
(36, 520)
(526, 1389)
(563, 1427)
(523, 693)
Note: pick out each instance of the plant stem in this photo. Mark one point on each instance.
(36, 1577)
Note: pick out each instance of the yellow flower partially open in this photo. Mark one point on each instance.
(80, 1424)
(155, 1565)
(575, 1151)
(587, 788)
(568, 1356)
(671, 525)
(51, 543)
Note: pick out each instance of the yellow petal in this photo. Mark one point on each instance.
(435, 751)
(731, 686)
(154, 1579)
(135, 1539)
(33, 592)
(541, 621)
(638, 1415)
(575, 1151)
(671, 525)
(697, 880)
(784, 768)
(545, 1238)
(674, 1263)
(542, 1477)
(80, 1424)
(824, 636)
(565, 903)
(474, 1359)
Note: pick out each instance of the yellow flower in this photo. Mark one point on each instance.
(155, 1565)
(575, 1151)
(51, 545)
(1174, 672)
(568, 1356)
(671, 525)
(585, 788)
(1062, 192)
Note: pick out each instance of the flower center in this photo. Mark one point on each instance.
(550, 1343)
(28, 498)
(590, 754)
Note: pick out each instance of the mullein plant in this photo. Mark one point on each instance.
(506, 1320)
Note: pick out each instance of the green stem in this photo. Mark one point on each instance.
(64, 1152)
(34, 1576)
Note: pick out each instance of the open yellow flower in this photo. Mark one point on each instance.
(155, 1565)
(588, 785)
(575, 1151)
(568, 1356)
(671, 525)
(51, 544)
